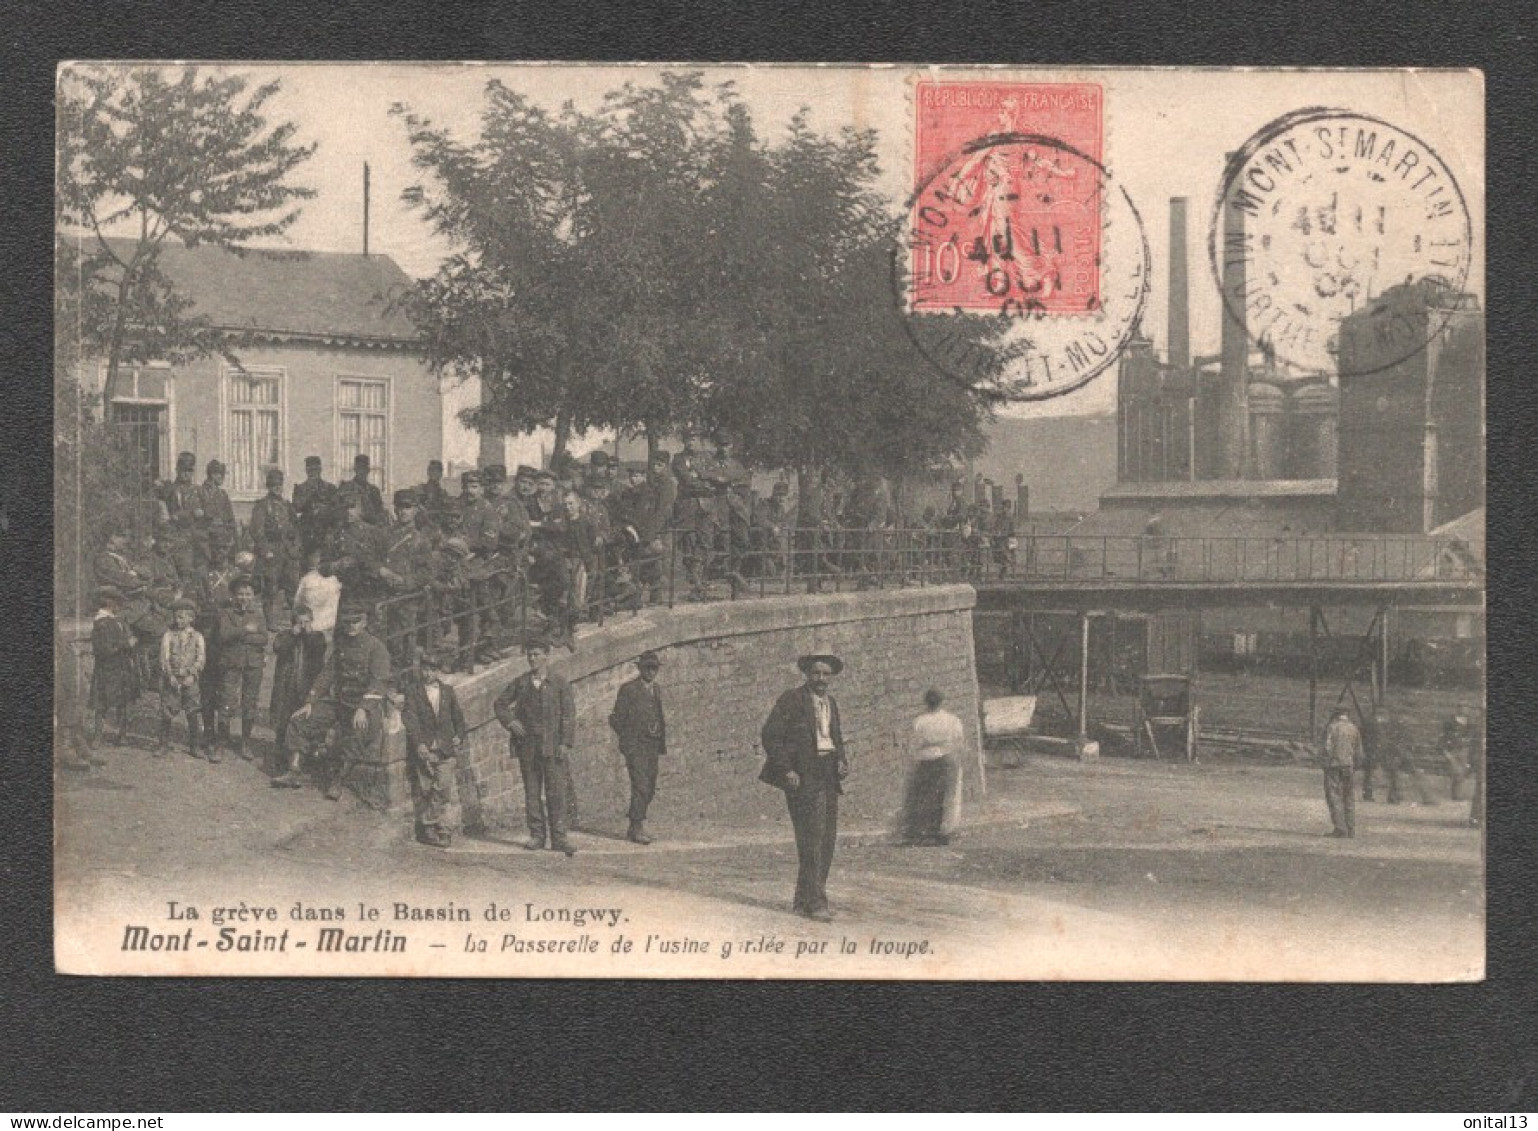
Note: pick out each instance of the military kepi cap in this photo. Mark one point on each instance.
(274, 476)
(406, 497)
(352, 613)
(469, 476)
(105, 593)
(360, 460)
(215, 467)
(527, 472)
(311, 461)
(649, 660)
(835, 665)
(186, 461)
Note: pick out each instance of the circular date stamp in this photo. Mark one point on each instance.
(1025, 270)
(1323, 211)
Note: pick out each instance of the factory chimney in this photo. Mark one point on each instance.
(1178, 343)
(1233, 408)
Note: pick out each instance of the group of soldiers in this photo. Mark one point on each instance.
(469, 574)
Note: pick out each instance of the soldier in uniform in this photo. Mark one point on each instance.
(356, 553)
(314, 500)
(406, 571)
(433, 498)
(374, 512)
(547, 572)
(349, 696)
(218, 519)
(481, 529)
(514, 535)
(242, 656)
(274, 533)
(451, 604)
(180, 500)
(697, 519)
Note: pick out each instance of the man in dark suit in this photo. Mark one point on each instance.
(540, 715)
(639, 721)
(805, 757)
(435, 734)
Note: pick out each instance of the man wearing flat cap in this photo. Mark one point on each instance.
(275, 541)
(639, 721)
(805, 756)
(374, 512)
(540, 716)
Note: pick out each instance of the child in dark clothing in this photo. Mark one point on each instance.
(301, 652)
(114, 676)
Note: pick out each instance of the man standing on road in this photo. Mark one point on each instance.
(1341, 752)
(642, 728)
(805, 757)
(540, 715)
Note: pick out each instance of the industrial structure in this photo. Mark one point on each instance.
(1338, 516)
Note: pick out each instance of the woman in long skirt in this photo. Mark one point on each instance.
(935, 754)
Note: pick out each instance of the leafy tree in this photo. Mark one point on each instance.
(143, 156)
(655, 266)
(843, 391)
(579, 278)
(147, 155)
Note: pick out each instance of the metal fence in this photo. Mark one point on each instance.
(482, 619)
(1332, 558)
(488, 617)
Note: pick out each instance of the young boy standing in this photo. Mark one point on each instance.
(435, 734)
(242, 656)
(183, 656)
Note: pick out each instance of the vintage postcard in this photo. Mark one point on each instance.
(693, 521)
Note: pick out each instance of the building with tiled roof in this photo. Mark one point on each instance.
(326, 364)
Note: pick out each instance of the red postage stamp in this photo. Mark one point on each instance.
(1006, 204)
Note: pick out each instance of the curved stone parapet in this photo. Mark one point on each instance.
(723, 666)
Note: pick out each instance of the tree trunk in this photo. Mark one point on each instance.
(562, 437)
(653, 442)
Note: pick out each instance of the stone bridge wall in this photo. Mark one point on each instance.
(723, 666)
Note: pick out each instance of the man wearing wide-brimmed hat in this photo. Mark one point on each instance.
(805, 757)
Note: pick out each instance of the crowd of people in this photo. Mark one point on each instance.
(192, 605)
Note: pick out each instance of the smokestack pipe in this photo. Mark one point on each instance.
(1233, 408)
(1178, 344)
(365, 208)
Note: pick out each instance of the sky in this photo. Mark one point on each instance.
(1166, 135)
